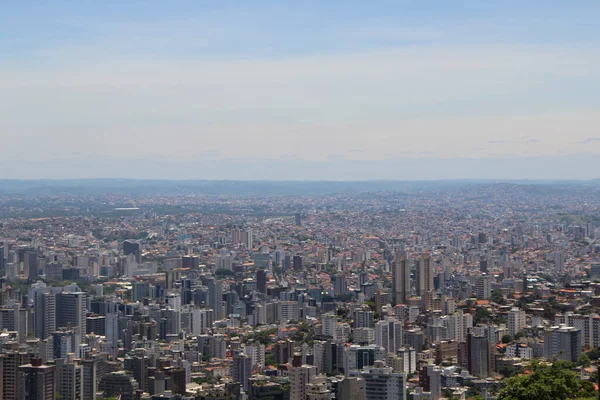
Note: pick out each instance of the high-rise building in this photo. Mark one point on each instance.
(54, 271)
(516, 321)
(133, 247)
(36, 381)
(237, 236)
(459, 324)
(9, 367)
(300, 377)
(241, 369)
(559, 261)
(351, 389)
(73, 311)
(138, 366)
(425, 276)
(257, 352)
(69, 380)
(483, 287)
(358, 357)
(563, 343)
(224, 262)
(119, 384)
(409, 359)
(175, 378)
(64, 342)
(201, 319)
(112, 327)
(381, 383)
(431, 378)
(363, 318)
(415, 338)
(215, 298)
(479, 362)
(340, 286)
(400, 279)
(44, 314)
(2, 259)
(483, 266)
(30, 264)
(191, 262)
(261, 281)
(389, 335)
(297, 262)
(90, 377)
(248, 239)
(329, 324)
(288, 310)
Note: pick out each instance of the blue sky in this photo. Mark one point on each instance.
(384, 90)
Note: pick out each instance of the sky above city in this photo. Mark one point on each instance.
(305, 90)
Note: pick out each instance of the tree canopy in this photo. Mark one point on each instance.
(543, 381)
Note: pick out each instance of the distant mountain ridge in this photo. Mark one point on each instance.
(45, 187)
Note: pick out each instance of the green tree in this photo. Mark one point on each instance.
(594, 354)
(506, 339)
(584, 360)
(222, 272)
(497, 297)
(481, 315)
(556, 382)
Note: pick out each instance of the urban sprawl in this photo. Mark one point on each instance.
(424, 293)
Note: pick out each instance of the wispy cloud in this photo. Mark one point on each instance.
(589, 140)
(220, 84)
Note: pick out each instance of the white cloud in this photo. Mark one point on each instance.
(434, 102)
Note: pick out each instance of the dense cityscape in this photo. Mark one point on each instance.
(440, 290)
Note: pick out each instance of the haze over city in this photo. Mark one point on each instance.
(310, 90)
(299, 200)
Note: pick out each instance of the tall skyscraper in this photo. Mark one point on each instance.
(351, 389)
(516, 321)
(297, 262)
(69, 380)
(400, 279)
(340, 285)
(358, 357)
(363, 318)
(119, 384)
(133, 247)
(425, 276)
(90, 377)
(389, 335)
(479, 361)
(111, 327)
(241, 369)
(431, 377)
(138, 365)
(9, 365)
(2, 259)
(30, 264)
(559, 261)
(248, 239)
(381, 383)
(73, 311)
(44, 314)
(563, 343)
(300, 377)
(36, 381)
(261, 281)
(215, 298)
(483, 287)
